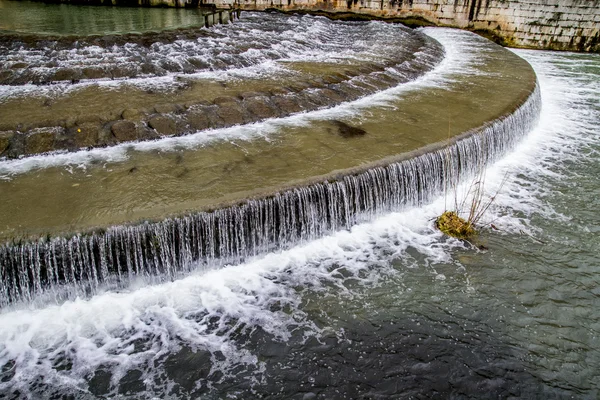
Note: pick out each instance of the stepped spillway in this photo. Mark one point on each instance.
(233, 193)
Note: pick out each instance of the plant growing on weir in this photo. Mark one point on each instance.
(473, 207)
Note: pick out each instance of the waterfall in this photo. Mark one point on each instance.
(164, 250)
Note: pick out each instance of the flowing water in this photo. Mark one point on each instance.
(382, 306)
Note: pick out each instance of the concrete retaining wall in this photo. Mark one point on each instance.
(548, 24)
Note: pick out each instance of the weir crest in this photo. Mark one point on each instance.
(58, 268)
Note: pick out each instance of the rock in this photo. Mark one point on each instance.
(132, 114)
(317, 98)
(188, 367)
(348, 131)
(5, 138)
(100, 382)
(69, 122)
(231, 114)
(64, 139)
(332, 95)
(348, 92)
(224, 100)
(124, 131)
(309, 396)
(198, 63)
(197, 120)
(195, 104)
(260, 108)
(19, 65)
(144, 132)
(286, 104)
(89, 118)
(39, 140)
(65, 74)
(163, 125)
(166, 108)
(280, 90)
(93, 73)
(132, 382)
(123, 71)
(299, 86)
(249, 95)
(84, 135)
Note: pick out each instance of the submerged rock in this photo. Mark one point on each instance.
(5, 138)
(124, 131)
(163, 125)
(40, 141)
(348, 131)
(85, 135)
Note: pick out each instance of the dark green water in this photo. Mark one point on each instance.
(64, 19)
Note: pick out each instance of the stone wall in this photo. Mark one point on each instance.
(549, 24)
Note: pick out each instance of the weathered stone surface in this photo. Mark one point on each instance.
(132, 114)
(66, 74)
(231, 114)
(40, 141)
(259, 107)
(163, 125)
(225, 100)
(332, 95)
(5, 138)
(286, 104)
(94, 73)
(19, 65)
(144, 132)
(124, 131)
(166, 108)
(88, 119)
(249, 95)
(85, 135)
(197, 120)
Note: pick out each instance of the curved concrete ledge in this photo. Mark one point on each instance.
(150, 187)
(251, 222)
(175, 246)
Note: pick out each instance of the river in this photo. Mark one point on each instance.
(389, 308)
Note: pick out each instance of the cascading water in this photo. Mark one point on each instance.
(172, 247)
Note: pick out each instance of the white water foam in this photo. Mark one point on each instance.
(464, 52)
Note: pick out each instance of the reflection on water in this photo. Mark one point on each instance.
(65, 19)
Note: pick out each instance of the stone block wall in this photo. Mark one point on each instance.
(548, 24)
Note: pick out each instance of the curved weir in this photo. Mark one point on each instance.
(373, 173)
(169, 248)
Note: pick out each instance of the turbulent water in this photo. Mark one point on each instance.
(383, 308)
